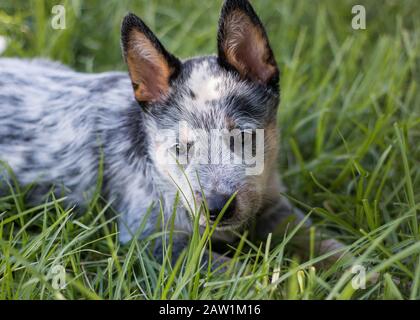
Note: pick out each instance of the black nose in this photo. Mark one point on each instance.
(215, 204)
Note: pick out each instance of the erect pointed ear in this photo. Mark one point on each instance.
(243, 43)
(150, 66)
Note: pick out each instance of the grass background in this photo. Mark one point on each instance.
(350, 154)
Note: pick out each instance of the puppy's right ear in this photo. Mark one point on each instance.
(150, 66)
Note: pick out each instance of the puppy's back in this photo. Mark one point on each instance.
(50, 121)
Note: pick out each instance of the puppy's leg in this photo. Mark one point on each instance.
(283, 217)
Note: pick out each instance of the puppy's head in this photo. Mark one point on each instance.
(211, 121)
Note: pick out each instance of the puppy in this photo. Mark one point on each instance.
(204, 128)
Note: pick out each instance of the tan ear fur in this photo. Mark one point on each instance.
(246, 48)
(148, 68)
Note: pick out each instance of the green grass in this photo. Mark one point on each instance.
(350, 154)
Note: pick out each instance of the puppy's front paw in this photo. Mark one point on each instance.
(329, 246)
(219, 263)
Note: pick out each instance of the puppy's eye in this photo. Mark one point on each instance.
(178, 149)
(182, 149)
(235, 140)
(247, 138)
(249, 141)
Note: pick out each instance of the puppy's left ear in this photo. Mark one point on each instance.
(243, 43)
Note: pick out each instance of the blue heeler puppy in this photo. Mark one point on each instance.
(55, 124)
